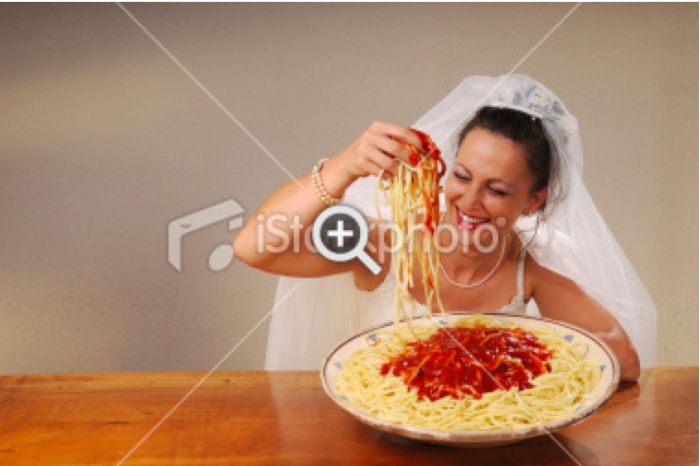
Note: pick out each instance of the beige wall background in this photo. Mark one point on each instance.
(104, 140)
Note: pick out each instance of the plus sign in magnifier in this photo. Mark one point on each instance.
(340, 234)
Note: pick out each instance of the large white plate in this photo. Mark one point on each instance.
(598, 351)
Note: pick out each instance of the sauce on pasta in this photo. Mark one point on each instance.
(567, 382)
(439, 366)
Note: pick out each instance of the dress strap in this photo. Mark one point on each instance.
(521, 274)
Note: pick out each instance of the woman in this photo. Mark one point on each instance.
(515, 171)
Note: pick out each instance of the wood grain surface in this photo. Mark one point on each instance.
(270, 418)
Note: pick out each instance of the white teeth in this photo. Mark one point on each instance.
(467, 219)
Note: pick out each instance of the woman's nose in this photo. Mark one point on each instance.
(471, 199)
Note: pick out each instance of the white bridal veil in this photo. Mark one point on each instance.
(313, 315)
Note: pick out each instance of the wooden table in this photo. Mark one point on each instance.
(244, 418)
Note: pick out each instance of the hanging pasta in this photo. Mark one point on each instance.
(414, 199)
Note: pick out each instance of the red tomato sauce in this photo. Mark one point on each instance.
(431, 197)
(495, 358)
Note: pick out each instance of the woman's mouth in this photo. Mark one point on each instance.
(469, 222)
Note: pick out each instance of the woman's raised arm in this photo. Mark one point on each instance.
(273, 239)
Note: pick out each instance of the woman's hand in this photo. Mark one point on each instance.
(376, 149)
(379, 148)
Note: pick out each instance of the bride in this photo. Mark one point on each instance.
(514, 181)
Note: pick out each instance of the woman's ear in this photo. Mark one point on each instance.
(537, 200)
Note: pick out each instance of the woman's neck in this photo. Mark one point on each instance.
(467, 263)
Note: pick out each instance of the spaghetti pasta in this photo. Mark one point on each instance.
(415, 192)
(553, 396)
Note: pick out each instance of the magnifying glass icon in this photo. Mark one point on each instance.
(340, 234)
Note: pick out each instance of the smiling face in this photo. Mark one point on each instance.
(490, 180)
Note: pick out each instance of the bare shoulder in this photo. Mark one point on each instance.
(560, 297)
(541, 279)
(538, 273)
(536, 276)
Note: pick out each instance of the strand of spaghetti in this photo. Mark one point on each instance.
(415, 190)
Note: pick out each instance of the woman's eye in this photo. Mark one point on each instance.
(461, 177)
(498, 192)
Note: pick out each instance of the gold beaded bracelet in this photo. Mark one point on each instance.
(319, 187)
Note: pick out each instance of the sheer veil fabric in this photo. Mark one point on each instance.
(572, 238)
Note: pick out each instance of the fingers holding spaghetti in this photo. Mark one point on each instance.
(396, 149)
(398, 133)
(377, 163)
(379, 149)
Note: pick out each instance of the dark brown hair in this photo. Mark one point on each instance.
(522, 128)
